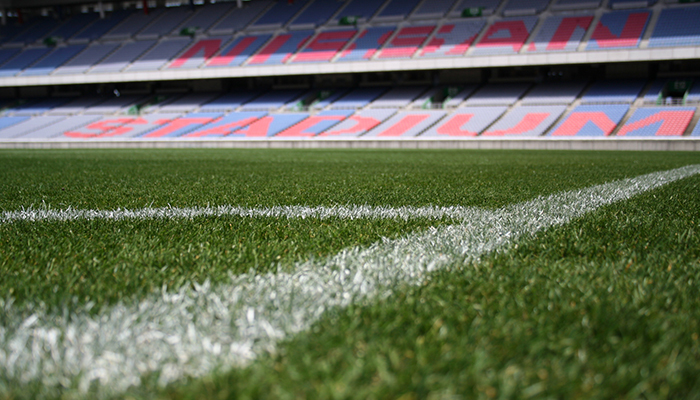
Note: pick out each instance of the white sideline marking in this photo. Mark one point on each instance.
(350, 212)
(193, 332)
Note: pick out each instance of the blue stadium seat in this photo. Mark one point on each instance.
(159, 55)
(133, 24)
(271, 100)
(86, 59)
(498, 94)
(23, 60)
(434, 9)
(358, 98)
(361, 9)
(96, 30)
(397, 9)
(526, 121)
(405, 124)
(658, 121)
(357, 124)
(590, 120)
(554, 93)
(53, 60)
(505, 36)
(677, 27)
(317, 13)
(617, 91)
(237, 19)
(29, 125)
(618, 30)
(280, 14)
(466, 122)
(561, 33)
(123, 56)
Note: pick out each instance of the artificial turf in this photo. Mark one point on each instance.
(603, 308)
(568, 315)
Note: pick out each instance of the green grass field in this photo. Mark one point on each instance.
(604, 306)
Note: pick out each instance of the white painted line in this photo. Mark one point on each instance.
(195, 331)
(349, 212)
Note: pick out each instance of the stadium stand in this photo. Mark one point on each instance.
(466, 122)
(406, 42)
(452, 39)
(496, 94)
(268, 126)
(405, 124)
(38, 107)
(619, 29)
(99, 28)
(575, 4)
(187, 103)
(617, 91)
(225, 126)
(526, 121)
(6, 122)
(38, 30)
(234, 54)
(554, 93)
(230, 101)
(315, 124)
(59, 127)
(454, 100)
(560, 33)
(214, 26)
(325, 45)
(237, 19)
(615, 4)
(86, 59)
(73, 25)
(367, 43)
(199, 52)
(159, 55)
(358, 124)
(115, 128)
(433, 9)
(122, 57)
(7, 53)
(677, 27)
(23, 60)
(205, 17)
(279, 14)
(281, 48)
(29, 125)
(132, 25)
(272, 100)
(361, 10)
(590, 120)
(694, 92)
(181, 125)
(471, 7)
(325, 98)
(53, 60)
(657, 121)
(397, 9)
(397, 97)
(696, 131)
(505, 36)
(164, 25)
(524, 7)
(76, 105)
(315, 15)
(114, 105)
(357, 98)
